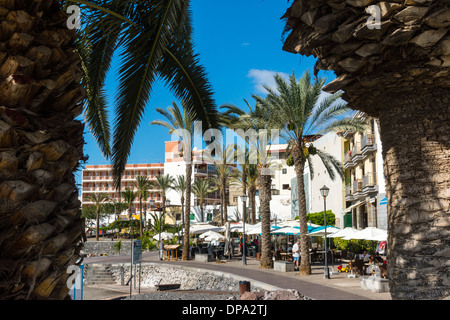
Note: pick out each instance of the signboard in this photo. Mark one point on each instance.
(137, 251)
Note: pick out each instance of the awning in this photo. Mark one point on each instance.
(354, 206)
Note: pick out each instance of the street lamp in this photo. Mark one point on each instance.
(324, 192)
(244, 199)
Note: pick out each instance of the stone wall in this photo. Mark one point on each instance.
(189, 278)
(98, 248)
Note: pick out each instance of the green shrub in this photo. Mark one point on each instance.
(355, 246)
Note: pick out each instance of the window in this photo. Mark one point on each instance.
(286, 187)
(284, 171)
(235, 199)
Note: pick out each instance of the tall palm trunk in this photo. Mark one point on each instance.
(141, 232)
(98, 224)
(299, 165)
(182, 211)
(225, 199)
(41, 143)
(185, 255)
(265, 183)
(244, 191)
(417, 171)
(252, 203)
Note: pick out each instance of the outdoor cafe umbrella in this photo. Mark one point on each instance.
(343, 233)
(369, 233)
(215, 236)
(201, 228)
(164, 236)
(210, 233)
(320, 231)
(257, 230)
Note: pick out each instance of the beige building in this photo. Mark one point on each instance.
(364, 178)
(99, 179)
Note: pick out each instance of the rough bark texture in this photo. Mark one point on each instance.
(41, 230)
(265, 183)
(187, 214)
(418, 186)
(398, 71)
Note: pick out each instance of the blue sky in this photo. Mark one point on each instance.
(240, 46)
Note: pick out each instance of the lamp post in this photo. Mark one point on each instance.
(324, 192)
(244, 198)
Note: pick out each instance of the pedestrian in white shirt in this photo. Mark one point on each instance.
(296, 253)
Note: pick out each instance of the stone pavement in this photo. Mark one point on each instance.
(315, 286)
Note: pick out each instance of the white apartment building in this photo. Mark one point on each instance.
(365, 193)
(332, 144)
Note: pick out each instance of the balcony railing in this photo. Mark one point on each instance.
(348, 190)
(357, 186)
(367, 140)
(369, 180)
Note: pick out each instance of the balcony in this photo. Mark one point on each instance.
(357, 189)
(368, 144)
(356, 153)
(369, 183)
(349, 193)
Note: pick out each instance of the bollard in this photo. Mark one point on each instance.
(244, 286)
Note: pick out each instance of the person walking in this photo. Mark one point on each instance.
(296, 254)
(161, 249)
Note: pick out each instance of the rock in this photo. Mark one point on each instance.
(288, 294)
(252, 296)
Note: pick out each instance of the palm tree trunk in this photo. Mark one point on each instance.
(244, 191)
(98, 225)
(141, 233)
(252, 192)
(182, 211)
(41, 146)
(415, 133)
(185, 255)
(201, 211)
(299, 165)
(265, 182)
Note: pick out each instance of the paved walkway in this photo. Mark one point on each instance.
(338, 287)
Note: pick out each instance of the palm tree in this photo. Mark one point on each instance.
(129, 196)
(164, 183)
(252, 183)
(99, 200)
(42, 98)
(296, 111)
(154, 39)
(223, 172)
(180, 186)
(142, 185)
(181, 123)
(397, 71)
(201, 187)
(258, 148)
